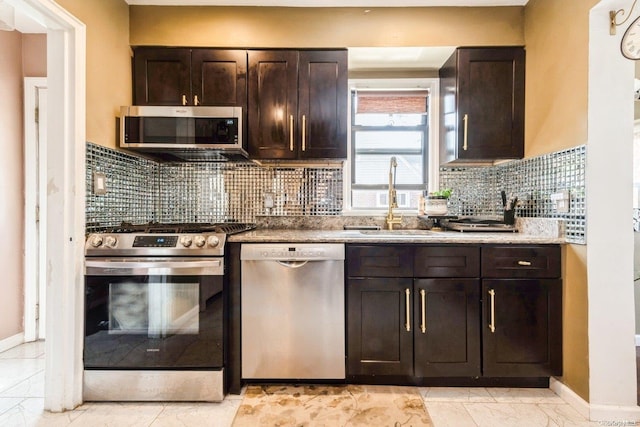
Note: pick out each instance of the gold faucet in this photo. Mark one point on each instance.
(393, 202)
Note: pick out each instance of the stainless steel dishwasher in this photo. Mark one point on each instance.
(292, 311)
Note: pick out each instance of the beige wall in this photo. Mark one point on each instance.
(557, 43)
(11, 184)
(324, 27)
(575, 320)
(108, 64)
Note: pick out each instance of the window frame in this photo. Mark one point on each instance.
(431, 162)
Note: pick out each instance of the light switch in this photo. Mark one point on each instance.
(99, 183)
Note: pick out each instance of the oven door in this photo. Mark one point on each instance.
(162, 313)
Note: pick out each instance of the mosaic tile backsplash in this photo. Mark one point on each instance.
(476, 191)
(141, 190)
(132, 188)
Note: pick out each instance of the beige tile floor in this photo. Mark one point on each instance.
(22, 392)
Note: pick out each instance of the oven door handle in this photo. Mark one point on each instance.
(210, 267)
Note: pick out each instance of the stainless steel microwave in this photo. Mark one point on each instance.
(188, 133)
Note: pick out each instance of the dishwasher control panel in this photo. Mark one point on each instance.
(292, 251)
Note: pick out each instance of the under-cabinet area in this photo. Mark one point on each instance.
(440, 314)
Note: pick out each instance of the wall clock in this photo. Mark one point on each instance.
(630, 44)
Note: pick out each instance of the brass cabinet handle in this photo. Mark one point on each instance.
(525, 263)
(195, 100)
(291, 133)
(184, 99)
(304, 132)
(465, 119)
(492, 324)
(423, 305)
(407, 294)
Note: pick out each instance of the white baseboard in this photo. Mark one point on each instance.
(637, 340)
(594, 412)
(570, 396)
(11, 342)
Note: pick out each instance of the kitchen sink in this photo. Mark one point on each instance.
(396, 233)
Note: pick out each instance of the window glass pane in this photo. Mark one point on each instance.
(381, 140)
(385, 124)
(390, 119)
(373, 169)
(379, 199)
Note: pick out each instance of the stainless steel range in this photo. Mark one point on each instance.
(155, 312)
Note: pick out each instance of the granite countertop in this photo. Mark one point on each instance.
(330, 229)
(385, 236)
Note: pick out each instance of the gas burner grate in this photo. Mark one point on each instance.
(174, 228)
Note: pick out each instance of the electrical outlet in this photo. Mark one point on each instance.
(268, 200)
(560, 201)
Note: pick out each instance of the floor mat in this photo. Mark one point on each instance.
(339, 405)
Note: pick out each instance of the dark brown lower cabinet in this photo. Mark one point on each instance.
(438, 336)
(447, 327)
(436, 319)
(378, 342)
(522, 327)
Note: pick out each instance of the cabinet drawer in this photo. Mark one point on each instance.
(521, 261)
(379, 261)
(446, 261)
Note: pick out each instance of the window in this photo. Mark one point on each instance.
(389, 123)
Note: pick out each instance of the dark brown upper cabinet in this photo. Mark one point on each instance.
(297, 108)
(189, 76)
(482, 105)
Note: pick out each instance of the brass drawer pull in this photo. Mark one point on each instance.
(524, 263)
(184, 99)
(407, 294)
(492, 324)
(423, 305)
(304, 133)
(291, 132)
(465, 119)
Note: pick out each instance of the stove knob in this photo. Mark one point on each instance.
(185, 241)
(199, 241)
(96, 241)
(110, 241)
(213, 241)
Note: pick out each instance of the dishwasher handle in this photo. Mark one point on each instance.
(292, 264)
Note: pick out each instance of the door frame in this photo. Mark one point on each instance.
(34, 235)
(65, 189)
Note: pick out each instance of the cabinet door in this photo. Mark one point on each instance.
(522, 327)
(219, 77)
(322, 109)
(273, 104)
(491, 97)
(161, 76)
(378, 342)
(447, 327)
